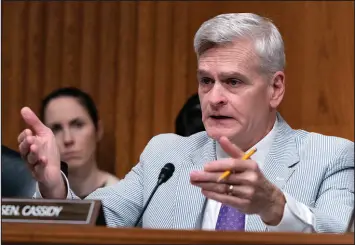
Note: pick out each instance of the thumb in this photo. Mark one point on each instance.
(231, 149)
(33, 121)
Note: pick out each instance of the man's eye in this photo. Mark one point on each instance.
(206, 80)
(234, 82)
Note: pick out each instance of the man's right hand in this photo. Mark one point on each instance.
(38, 148)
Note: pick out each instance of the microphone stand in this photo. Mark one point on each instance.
(165, 173)
(146, 205)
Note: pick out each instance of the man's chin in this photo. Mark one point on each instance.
(216, 134)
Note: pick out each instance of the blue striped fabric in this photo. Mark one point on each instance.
(315, 169)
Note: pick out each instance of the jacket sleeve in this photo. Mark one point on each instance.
(335, 202)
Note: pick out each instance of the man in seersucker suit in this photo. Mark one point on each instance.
(295, 181)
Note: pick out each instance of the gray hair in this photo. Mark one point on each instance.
(226, 28)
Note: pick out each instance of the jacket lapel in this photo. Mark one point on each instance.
(189, 201)
(279, 165)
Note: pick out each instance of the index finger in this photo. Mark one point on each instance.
(32, 120)
(222, 165)
(231, 149)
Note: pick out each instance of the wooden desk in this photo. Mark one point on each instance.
(79, 234)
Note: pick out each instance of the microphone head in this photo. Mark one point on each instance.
(166, 172)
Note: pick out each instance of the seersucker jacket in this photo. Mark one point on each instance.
(315, 169)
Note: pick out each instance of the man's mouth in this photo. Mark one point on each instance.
(221, 117)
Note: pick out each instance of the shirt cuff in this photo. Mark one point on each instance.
(297, 217)
(69, 196)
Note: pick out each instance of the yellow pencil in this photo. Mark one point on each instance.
(245, 157)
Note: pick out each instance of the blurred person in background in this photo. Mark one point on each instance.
(73, 117)
(189, 119)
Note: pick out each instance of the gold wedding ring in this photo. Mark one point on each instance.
(230, 189)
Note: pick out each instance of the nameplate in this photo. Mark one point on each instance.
(51, 211)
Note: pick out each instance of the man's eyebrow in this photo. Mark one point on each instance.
(231, 74)
(202, 72)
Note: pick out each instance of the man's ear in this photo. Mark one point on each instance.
(277, 89)
(99, 131)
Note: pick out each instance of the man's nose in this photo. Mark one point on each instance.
(217, 96)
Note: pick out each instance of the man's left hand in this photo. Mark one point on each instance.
(245, 189)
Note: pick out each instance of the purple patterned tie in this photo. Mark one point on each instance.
(230, 219)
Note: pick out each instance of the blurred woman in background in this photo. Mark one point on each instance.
(74, 120)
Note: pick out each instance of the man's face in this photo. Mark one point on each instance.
(236, 98)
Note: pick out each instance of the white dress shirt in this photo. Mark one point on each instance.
(297, 217)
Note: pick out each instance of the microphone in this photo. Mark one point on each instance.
(165, 173)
